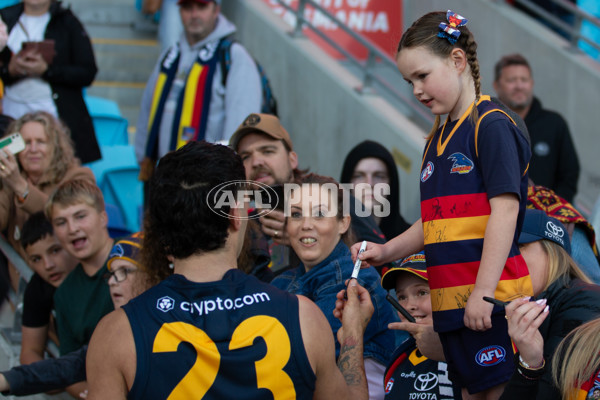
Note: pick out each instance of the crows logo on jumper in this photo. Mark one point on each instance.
(490, 355)
(462, 165)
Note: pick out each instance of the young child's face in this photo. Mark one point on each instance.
(413, 294)
(434, 81)
(50, 260)
(124, 283)
(80, 228)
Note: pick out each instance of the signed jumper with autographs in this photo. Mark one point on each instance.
(465, 164)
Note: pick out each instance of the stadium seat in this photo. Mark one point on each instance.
(7, 3)
(110, 130)
(113, 157)
(122, 188)
(101, 106)
(116, 222)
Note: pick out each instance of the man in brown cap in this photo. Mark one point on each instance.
(267, 152)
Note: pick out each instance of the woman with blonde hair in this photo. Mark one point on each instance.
(30, 176)
(576, 363)
(565, 299)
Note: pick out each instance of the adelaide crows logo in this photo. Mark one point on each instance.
(462, 165)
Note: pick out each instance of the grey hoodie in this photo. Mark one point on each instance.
(229, 105)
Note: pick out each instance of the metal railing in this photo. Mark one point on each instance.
(13, 334)
(375, 58)
(573, 31)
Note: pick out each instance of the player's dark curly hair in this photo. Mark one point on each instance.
(179, 220)
(424, 32)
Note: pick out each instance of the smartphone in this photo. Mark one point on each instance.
(45, 48)
(400, 309)
(14, 143)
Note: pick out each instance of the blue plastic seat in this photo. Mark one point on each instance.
(110, 130)
(101, 106)
(113, 157)
(116, 222)
(7, 3)
(122, 188)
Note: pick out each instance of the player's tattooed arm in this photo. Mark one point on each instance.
(350, 362)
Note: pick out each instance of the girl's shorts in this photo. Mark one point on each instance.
(479, 360)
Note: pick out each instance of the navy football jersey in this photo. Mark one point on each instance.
(237, 338)
(414, 376)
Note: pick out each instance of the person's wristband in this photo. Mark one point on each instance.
(528, 373)
(23, 196)
(529, 367)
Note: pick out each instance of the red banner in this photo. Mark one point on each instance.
(379, 21)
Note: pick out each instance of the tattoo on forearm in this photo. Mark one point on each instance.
(350, 365)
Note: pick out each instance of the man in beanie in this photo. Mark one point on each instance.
(186, 98)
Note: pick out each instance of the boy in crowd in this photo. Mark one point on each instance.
(127, 278)
(410, 373)
(76, 211)
(51, 264)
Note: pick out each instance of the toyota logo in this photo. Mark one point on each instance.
(555, 229)
(425, 382)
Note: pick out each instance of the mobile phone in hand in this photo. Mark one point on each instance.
(14, 143)
(400, 309)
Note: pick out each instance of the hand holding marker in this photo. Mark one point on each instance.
(356, 270)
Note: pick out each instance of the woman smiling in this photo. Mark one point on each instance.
(318, 231)
(29, 177)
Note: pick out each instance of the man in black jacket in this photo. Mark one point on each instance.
(554, 162)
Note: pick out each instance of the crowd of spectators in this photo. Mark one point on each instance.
(287, 273)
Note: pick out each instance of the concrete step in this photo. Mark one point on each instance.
(125, 47)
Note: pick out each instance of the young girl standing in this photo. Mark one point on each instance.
(473, 193)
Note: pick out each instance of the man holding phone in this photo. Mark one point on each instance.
(269, 158)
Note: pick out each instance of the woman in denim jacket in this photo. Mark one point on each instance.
(317, 229)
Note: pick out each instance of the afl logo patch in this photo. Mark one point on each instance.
(427, 171)
(490, 355)
(462, 165)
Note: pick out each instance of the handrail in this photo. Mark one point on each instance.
(574, 31)
(16, 259)
(374, 55)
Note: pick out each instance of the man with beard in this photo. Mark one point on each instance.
(267, 152)
(554, 162)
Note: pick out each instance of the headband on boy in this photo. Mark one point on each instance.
(450, 30)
